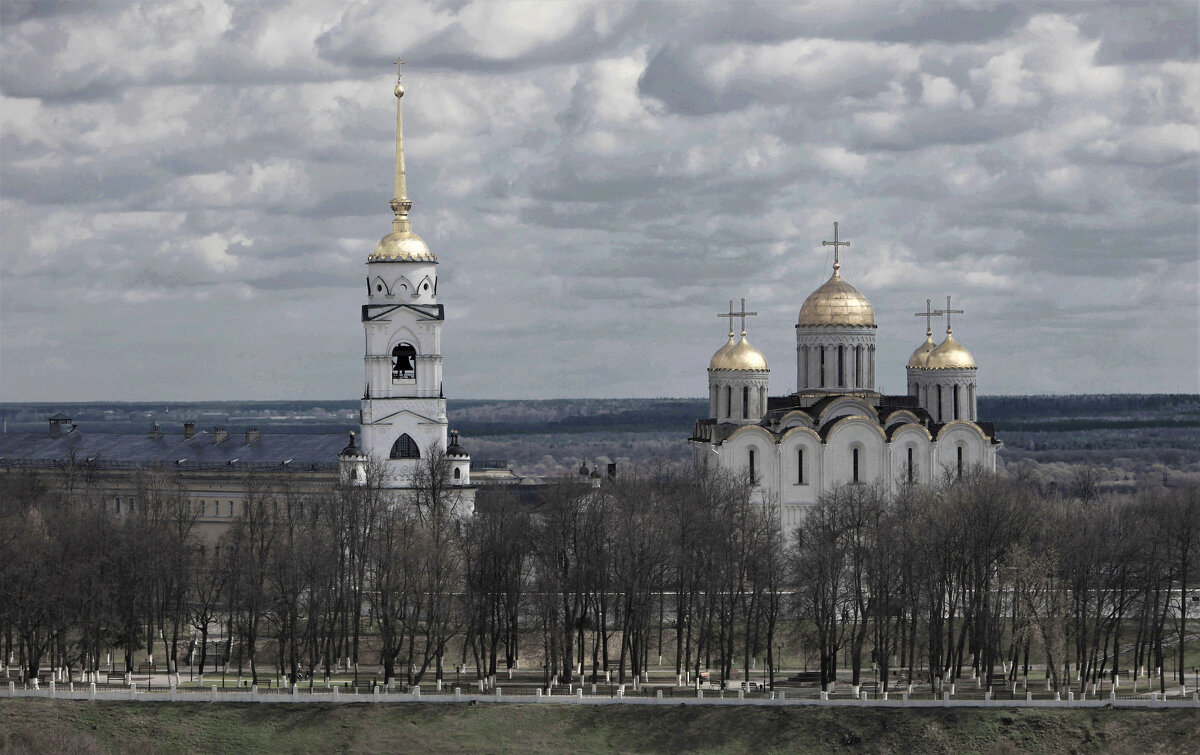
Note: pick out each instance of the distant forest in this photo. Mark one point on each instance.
(1136, 434)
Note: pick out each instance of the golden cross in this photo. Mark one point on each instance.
(730, 316)
(742, 314)
(947, 312)
(928, 314)
(835, 244)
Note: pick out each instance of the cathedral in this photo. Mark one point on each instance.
(836, 428)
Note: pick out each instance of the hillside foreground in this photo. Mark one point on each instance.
(45, 726)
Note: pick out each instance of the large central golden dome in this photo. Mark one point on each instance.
(836, 302)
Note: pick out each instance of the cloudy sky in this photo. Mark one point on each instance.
(190, 189)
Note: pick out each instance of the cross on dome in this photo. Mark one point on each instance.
(835, 244)
(730, 316)
(929, 314)
(947, 312)
(742, 314)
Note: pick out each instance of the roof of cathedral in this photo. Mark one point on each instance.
(950, 355)
(836, 302)
(778, 406)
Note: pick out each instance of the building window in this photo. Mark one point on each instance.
(910, 464)
(231, 508)
(854, 464)
(753, 474)
(216, 508)
(939, 404)
(841, 366)
(404, 362)
(956, 402)
(457, 473)
(858, 350)
(405, 448)
(822, 366)
(960, 462)
(728, 401)
(745, 402)
(799, 466)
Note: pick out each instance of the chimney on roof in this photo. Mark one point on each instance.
(60, 425)
(251, 435)
(155, 432)
(219, 434)
(189, 429)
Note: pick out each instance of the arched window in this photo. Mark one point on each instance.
(405, 448)
(753, 475)
(404, 362)
(745, 402)
(728, 401)
(960, 462)
(822, 349)
(939, 417)
(457, 473)
(841, 366)
(911, 470)
(858, 352)
(854, 464)
(800, 466)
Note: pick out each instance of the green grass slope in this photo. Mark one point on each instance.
(43, 726)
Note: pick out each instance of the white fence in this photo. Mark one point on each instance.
(382, 695)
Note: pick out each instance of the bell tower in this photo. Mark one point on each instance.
(403, 414)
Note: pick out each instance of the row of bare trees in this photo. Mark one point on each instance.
(983, 574)
(986, 575)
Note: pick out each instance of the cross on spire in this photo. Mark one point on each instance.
(399, 67)
(835, 244)
(742, 314)
(947, 312)
(929, 314)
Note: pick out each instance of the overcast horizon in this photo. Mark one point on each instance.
(189, 191)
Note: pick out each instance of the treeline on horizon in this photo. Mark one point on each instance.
(987, 574)
(481, 417)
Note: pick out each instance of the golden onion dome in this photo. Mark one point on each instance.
(402, 246)
(741, 357)
(920, 357)
(719, 358)
(950, 355)
(836, 302)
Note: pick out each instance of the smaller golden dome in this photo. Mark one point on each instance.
(719, 358)
(950, 355)
(402, 246)
(836, 302)
(741, 357)
(920, 357)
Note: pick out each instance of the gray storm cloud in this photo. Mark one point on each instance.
(190, 189)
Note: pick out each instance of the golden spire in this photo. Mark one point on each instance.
(400, 203)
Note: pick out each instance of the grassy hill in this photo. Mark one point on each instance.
(76, 727)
